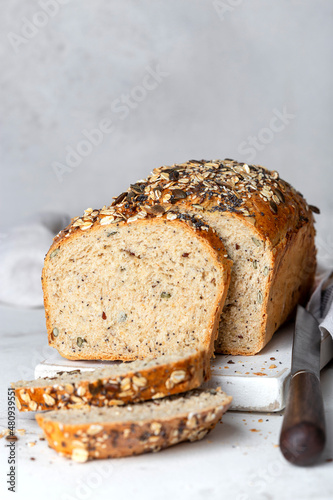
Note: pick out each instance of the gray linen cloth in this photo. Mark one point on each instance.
(324, 281)
(22, 252)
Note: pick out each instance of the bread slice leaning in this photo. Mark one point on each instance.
(133, 429)
(131, 289)
(115, 385)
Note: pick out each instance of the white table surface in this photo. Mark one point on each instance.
(240, 459)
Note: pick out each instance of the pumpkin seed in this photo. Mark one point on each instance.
(80, 341)
(54, 253)
(111, 233)
(266, 271)
(178, 194)
(260, 297)
(122, 317)
(55, 332)
(155, 209)
(255, 264)
(256, 241)
(165, 295)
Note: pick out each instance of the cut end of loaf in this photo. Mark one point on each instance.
(128, 291)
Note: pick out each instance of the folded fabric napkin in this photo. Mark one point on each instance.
(320, 304)
(22, 252)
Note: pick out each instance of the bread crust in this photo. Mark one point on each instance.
(153, 382)
(274, 213)
(84, 442)
(190, 223)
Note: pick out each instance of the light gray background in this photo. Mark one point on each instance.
(228, 73)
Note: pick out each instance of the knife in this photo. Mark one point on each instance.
(303, 434)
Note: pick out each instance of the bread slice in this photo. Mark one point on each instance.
(133, 429)
(135, 288)
(115, 385)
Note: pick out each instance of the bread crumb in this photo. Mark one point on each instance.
(272, 367)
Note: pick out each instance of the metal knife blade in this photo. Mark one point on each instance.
(306, 344)
(303, 433)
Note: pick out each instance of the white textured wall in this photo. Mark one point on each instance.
(227, 74)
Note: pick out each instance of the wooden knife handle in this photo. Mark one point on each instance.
(303, 436)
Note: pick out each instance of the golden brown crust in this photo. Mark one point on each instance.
(255, 194)
(84, 442)
(153, 382)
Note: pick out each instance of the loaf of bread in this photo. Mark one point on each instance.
(116, 385)
(124, 288)
(121, 431)
(95, 272)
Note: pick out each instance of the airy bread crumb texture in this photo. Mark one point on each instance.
(134, 291)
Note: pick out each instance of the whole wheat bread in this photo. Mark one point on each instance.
(267, 229)
(115, 385)
(133, 429)
(135, 289)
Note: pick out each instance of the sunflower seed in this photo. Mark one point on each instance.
(314, 209)
(273, 207)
